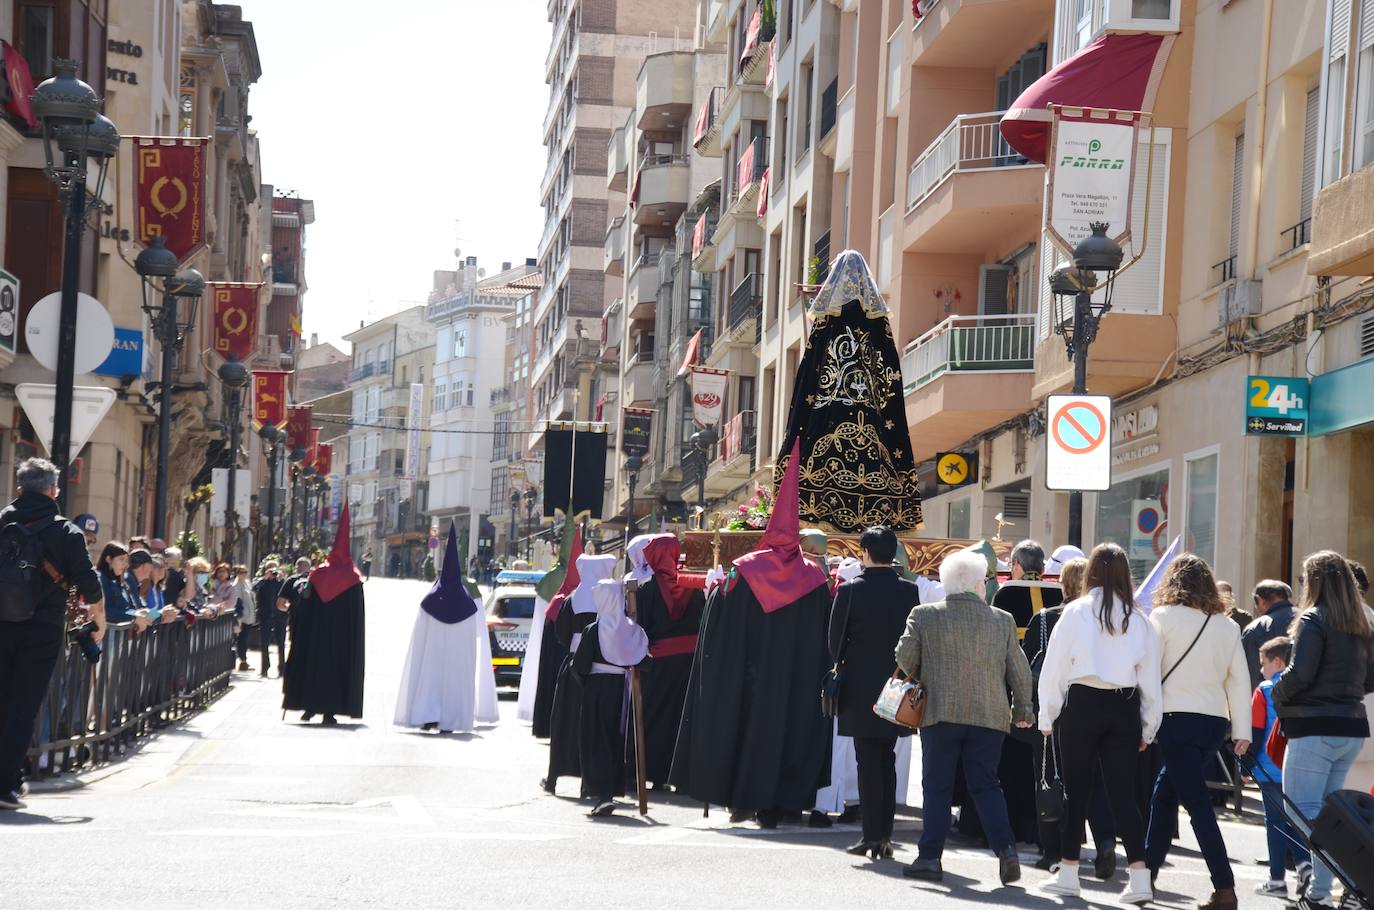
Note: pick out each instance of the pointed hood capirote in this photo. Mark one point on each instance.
(570, 577)
(337, 573)
(777, 572)
(591, 570)
(449, 601)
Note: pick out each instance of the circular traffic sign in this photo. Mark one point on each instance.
(1079, 427)
(94, 332)
(1158, 541)
(1147, 520)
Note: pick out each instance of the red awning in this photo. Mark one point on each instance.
(1114, 72)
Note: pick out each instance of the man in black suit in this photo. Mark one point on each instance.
(867, 618)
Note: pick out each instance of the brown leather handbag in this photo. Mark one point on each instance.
(902, 701)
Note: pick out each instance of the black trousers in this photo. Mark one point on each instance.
(877, 760)
(28, 654)
(1100, 725)
(272, 627)
(1099, 811)
(241, 640)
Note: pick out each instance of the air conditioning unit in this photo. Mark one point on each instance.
(1239, 300)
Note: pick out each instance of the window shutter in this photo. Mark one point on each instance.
(1050, 259)
(1309, 155)
(1032, 67)
(993, 284)
(1340, 28)
(1366, 21)
(1140, 289)
(1237, 181)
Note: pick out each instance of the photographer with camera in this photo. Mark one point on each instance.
(42, 558)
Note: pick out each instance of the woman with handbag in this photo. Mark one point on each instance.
(866, 620)
(967, 658)
(1099, 698)
(1206, 697)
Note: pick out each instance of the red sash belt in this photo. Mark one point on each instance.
(672, 647)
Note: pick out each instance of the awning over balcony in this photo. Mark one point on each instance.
(1115, 72)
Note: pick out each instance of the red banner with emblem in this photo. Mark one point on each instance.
(169, 187)
(312, 451)
(269, 398)
(21, 85)
(324, 459)
(235, 319)
(298, 428)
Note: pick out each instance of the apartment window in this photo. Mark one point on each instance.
(355, 453)
(1364, 110)
(36, 34)
(360, 406)
(1200, 510)
(1083, 22)
(436, 403)
(960, 514)
(1333, 124)
(1309, 155)
(374, 404)
(469, 393)
(1151, 9)
(1237, 182)
(808, 99)
(460, 343)
(370, 451)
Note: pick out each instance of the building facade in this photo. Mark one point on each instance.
(387, 506)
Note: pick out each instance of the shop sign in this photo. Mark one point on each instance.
(1091, 172)
(1079, 457)
(1276, 406)
(1131, 425)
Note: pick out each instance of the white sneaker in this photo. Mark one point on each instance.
(1273, 889)
(11, 800)
(1064, 882)
(1138, 888)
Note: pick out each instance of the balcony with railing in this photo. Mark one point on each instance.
(758, 37)
(661, 191)
(706, 127)
(744, 191)
(951, 33)
(617, 161)
(643, 286)
(703, 241)
(738, 443)
(663, 92)
(637, 387)
(614, 263)
(742, 314)
(965, 375)
(829, 107)
(366, 371)
(969, 191)
(612, 329)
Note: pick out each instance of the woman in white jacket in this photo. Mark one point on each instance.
(1206, 689)
(1100, 701)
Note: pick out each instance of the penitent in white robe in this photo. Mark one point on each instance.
(529, 673)
(844, 773)
(448, 677)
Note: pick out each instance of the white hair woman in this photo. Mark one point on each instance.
(967, 709)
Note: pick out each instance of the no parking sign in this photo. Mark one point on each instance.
(1079, 457)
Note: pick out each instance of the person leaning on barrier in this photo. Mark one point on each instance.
(29, 648)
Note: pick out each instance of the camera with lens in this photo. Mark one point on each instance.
(84, 638)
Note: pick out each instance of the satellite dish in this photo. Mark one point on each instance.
(481, 273)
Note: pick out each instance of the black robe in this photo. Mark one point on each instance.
(552, 653)
(565, 711)
(601, 740)
(752, 735)
(848, 409)
(324, 670)
(664, 682)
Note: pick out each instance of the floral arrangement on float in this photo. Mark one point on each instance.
(753, 515)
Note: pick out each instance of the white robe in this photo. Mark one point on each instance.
(448, 677)
(844, 773)
(529, 669)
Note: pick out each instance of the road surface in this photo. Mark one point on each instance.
(241, 809)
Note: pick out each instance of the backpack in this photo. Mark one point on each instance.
(21, 558)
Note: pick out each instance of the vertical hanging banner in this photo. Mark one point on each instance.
(417, 399)
(169, 190)
(635, 424)
(324, 459)
(708, 395)
(298, 428)
(312, 451)
(235, 319)
(269, 398)
(1091, 172)
(335, 496)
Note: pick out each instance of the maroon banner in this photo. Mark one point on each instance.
(312, 452)
(269, 398)
(324, 459)
(21, 85)
(298, 428)
(170, 192)
(235, 319)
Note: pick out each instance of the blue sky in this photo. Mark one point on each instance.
(408, 130)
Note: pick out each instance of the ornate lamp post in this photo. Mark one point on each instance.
(234, 375)
(270, 437)
(703, 439)
(514, 508)
(296, 456)
(531, 497)
(172, 318)
(73, 130)
(633, 464)
(1095, 253)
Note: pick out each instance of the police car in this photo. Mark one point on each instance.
(510, 617)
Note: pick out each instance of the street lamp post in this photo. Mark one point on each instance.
(234, 375)
(514, 508)
(297, 456)
(172, 318)
(633, 463)
(271, 435)
(703, 439)
(531, 496)
(1095, 253)
(73, 129)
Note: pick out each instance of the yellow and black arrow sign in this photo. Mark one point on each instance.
(955, 469)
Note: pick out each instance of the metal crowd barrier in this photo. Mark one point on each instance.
(94, 712)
